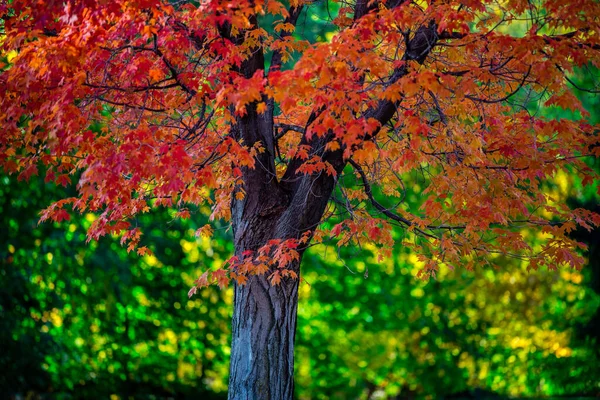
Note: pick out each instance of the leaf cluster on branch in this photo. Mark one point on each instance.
(181, 105)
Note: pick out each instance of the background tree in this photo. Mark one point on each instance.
(177, 104)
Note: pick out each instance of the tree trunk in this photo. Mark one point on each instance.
(264, 316)
(263, 333)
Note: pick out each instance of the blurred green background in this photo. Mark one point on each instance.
(86, 321)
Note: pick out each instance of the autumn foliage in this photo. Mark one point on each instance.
(156, 104)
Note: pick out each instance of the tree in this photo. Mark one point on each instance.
(177, 104)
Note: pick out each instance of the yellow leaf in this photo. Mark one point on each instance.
(261, 107)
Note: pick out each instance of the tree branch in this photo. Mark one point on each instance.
(309, 194)
(363, 7)
(254, 127)
(380, 207)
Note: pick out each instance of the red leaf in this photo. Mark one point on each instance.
(275, 278)
(61, 215)
(221, 277)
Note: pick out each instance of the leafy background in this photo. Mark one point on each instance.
(82, 320)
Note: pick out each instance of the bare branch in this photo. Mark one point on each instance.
(508, 96)
(379, 206)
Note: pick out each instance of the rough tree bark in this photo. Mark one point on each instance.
(264, 316)
(262, 349)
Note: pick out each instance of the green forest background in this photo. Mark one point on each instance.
(88, 320)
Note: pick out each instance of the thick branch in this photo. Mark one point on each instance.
(253, 128)
(310, 193)
(174, 73)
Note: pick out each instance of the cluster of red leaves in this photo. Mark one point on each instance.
(277, 258)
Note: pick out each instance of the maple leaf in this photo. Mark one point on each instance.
(202, 280)
(61, 215)
(221, 277)
(337, 229)
(192, 291)
(28, 172)
(183, 214)
(261, 107)
(261, 269)
(285, 27)
(144, 251)
(155, 74)
(275, 278)
(63, 180)
(50, 176)
(204, 231)
(277, 8)
(239, 278)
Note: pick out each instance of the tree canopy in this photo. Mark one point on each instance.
(159, 104)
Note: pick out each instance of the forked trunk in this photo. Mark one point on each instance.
(263, 333)
(264, 316)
